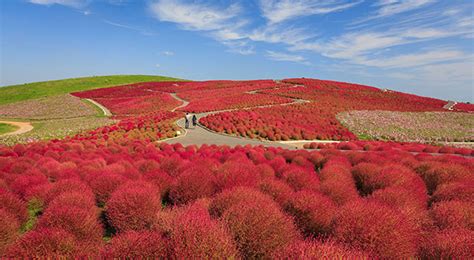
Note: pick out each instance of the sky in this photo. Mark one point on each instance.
(424, 47)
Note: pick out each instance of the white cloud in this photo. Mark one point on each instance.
(168, 53)
(70, 3)
(277, 11)
(128, 27)
(278, 56)
(392, 7)
(194, 16)
(157, 65)
(280, 34)
(414, 59)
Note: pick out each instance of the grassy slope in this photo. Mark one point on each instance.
(21, 92)
(7, 128)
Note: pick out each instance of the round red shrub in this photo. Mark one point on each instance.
(195, 182)
(103, 185)
(44, 243)
(259, 228)
(318, 250)
(13, 205)
(453, 214)
(9, 227)
(449, 244)
(445, 173)
(313, 212)
(237, 195)
(363, 173)
(75, 199)
(133, 245)
(237, 173)
(340, 190)
(27, 181)
(81, 223)
(462, 191)
(278, 190)
(375, 228)
(133, 208)
(194, 235)
(301, 179)
(67, 186)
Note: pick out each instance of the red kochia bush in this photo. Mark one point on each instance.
(445, 173)
(237, 173)
(313, 212)
(75, 199)
(104, 184)
(301, 179)
(375, 228)
(9, 227)
(44, 243)
(67, 186)
(450, 244)
(318, 250)
(337, 183)
(13, 205)
(453, 214)
(195, 182)
(259, 228)
(77, 221)
(133, 245)
(194, 235)
(133, 207)
(278, 190)
(462, 191)
(238, 195)
(363, 173)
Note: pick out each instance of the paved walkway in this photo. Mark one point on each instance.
(104, 109)
(23, 127)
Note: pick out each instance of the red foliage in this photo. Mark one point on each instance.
(80, 222)
(301, 179)
(439, 174)
(278, 190)
(239, 195)
(195, 182)
(133, 207)
(44, 243)
(273, 231)
(450, 244)
(453, 214)
(133, 245)
(313, 212)
(375, 228)
(319, 250)
(194, 235)
(462, 191)
(237, 173)
(9, 227)
(13, 206)
(103, 185)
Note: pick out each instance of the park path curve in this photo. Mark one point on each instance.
(24, 127)
(105, 110)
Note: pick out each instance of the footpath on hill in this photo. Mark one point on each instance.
(23, 127)
(200, 135)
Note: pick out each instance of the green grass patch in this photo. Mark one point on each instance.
(15, 93)
(7, 128)
(99, 111)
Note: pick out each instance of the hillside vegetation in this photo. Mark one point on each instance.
(15, 93)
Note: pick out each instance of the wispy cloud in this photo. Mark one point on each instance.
(392, 7)
(279, 56)
(128, 27)
(277, 11)
(168, 53)
(194, 16)
(70, 3)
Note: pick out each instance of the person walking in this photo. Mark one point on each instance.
(194, 120)
(186, 121)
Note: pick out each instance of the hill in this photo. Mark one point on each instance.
(15, 93)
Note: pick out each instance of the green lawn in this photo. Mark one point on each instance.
(10, 94)
(7, 128)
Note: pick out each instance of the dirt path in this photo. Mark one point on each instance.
(23, 127)
(104, 109)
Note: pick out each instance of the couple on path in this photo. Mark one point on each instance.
(188, 118)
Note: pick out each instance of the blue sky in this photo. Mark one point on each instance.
(418, 46)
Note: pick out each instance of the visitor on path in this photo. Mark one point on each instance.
(186, 121)
(194, 120)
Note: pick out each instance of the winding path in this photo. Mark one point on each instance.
(23, 127)
(104, 109)
(200, 135)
